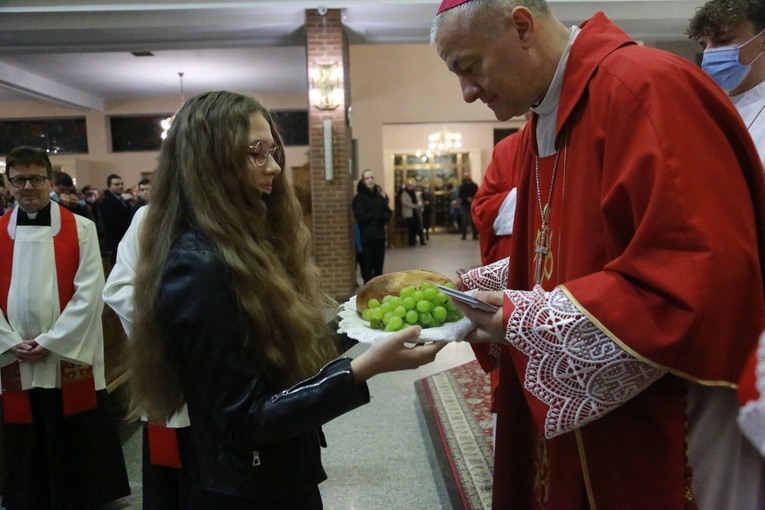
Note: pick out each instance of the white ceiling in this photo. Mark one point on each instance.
(77, 52)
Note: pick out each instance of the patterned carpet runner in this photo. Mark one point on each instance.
(456, 408)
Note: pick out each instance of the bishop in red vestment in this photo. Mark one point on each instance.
(636, 275)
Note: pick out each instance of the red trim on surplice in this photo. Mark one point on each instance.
(163, 446)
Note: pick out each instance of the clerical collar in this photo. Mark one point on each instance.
(40, 218)
(547, 109)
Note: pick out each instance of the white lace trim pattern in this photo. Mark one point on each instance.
(491, 277)
(574, 368)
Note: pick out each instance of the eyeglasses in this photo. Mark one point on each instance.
(259, 152)
(20, 181)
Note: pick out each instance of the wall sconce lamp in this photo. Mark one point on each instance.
(326, 91)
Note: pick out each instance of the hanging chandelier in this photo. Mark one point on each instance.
(166, 123)
(444, 141)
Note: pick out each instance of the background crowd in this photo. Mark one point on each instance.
(111, 209)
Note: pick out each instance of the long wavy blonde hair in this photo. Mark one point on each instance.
(204, 180)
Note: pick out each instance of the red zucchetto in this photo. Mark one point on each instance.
(448, 4)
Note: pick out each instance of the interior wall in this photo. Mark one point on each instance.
(394, 89)
(396, 85)
(477, 139)
(93, 168)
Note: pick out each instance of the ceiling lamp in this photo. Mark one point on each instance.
(166, 123)
(444, 141)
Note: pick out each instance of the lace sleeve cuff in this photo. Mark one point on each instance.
(574, 368)
(491, 277)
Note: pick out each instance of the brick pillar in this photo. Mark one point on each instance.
(333, 236)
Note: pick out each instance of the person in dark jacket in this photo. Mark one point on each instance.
(468, 189)
(427, 211)
(115, 213)
(372, 212)
(229, 315)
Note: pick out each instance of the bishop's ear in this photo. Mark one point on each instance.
(524, 22)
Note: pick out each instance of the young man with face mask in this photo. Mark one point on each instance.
(732, 34)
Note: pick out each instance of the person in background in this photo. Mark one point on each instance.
(454, 209)
(90, 196)
(62, 185)
(493, 214)
(61, 447)
(467, 191)
(3, 192)
(411, 211)
(493, 210)
(634, 290)
(65, 194)
(165, 479)
(427, 211)
(115, 213)
(732, 35)
(357, 245)
(229, 314)
(144, 190)
(372, 212)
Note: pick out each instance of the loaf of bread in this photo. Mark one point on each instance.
(392, 283)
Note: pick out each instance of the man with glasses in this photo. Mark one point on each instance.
(61, 444)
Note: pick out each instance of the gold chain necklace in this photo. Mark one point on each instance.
(542, 253)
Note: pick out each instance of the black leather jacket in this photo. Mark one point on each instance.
(249, 440)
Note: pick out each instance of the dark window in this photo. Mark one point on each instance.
(136, 133)
(56, 136)
(292, 126)
(500, 134)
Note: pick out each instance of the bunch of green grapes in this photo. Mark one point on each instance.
(426, 306)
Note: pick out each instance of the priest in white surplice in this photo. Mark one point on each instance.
(61, 445)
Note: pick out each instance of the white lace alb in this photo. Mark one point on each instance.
(491, 277)
(574, 367)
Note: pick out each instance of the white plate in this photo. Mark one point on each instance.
(357, 328)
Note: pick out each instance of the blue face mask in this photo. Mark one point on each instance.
(723, 65)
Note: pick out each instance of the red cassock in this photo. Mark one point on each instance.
(657, 237)
(500, 178)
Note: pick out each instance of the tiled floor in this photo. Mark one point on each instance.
(378, 456)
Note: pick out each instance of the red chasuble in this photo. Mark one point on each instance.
(77, 381)
(657, 237)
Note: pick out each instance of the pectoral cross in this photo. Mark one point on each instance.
(542, 246)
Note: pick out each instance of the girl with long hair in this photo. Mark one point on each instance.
(230, 314)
